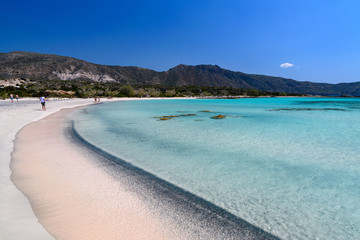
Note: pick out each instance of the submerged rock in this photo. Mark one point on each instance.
(218, 117)
(167, 117)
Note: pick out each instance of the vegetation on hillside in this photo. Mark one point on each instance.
(17, 65)
(88, 89)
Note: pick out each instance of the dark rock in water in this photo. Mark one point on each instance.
(206, 111)
(218, 117)
(167, 117)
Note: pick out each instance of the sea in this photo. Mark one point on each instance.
(290, 166)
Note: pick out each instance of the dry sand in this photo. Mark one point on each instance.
(17, 220)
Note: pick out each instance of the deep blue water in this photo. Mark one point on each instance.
(290, 166)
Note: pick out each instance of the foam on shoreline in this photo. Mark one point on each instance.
(79, 192)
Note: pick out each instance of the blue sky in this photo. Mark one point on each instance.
(321, 39)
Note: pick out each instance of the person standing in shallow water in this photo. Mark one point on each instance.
(11, 97)
(42, 101)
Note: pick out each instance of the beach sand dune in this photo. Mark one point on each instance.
(78, 192)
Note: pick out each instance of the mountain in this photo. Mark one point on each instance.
(53, 67)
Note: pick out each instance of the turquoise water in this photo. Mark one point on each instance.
(290, 166)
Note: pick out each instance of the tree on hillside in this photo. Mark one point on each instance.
(126, 91)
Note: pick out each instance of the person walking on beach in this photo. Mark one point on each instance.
(12, 97)
(42, 101)
(17, 98)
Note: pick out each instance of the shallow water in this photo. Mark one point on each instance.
(290, 166)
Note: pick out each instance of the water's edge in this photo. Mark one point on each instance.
(200, 214)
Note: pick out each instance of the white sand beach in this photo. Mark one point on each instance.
(17, 219)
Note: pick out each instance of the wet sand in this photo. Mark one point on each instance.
(77, 191)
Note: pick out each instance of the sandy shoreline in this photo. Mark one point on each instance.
(17, 220)
(72, 195)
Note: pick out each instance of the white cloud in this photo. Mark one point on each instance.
(286, 65)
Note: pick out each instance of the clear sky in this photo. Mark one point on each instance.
(316, 40)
